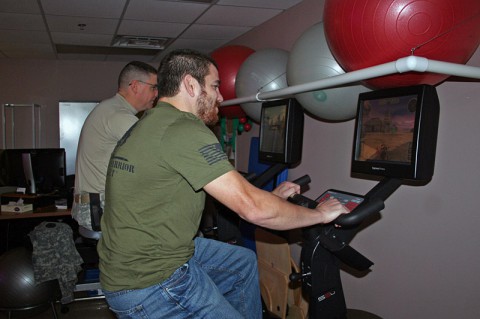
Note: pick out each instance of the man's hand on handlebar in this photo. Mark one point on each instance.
(286, 189)
(331, 209)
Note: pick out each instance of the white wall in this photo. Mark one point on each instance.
(46, 82)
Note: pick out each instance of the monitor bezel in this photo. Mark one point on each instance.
(422, 159)
(293, 133)
(13, 173)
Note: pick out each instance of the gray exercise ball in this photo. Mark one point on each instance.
(17, 284)
(263, 71)
(311, 60)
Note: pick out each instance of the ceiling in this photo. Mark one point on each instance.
(87, 29)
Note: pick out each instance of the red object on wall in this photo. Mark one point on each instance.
(229, 59)
(364, 33)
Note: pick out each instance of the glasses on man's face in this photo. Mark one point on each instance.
(153, 87)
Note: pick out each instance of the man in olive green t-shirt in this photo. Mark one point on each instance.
(150, 261)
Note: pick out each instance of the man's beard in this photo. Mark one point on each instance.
(207, 109)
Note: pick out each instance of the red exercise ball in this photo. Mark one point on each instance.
(364, 33)
(229, 59)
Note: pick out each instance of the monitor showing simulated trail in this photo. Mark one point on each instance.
(396, 132)
(281, 132)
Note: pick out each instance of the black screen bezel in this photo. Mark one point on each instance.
(48, 164)
(424, 138)
(292, 137)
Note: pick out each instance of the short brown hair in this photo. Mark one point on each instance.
(178, 63)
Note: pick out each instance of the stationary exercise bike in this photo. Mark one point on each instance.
(325, 246)
(395, 138)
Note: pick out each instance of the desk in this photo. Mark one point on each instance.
(40, 214)
(15, 227)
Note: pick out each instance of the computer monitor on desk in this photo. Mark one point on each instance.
(40, 171)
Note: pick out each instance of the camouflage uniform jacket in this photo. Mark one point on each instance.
(55, 257)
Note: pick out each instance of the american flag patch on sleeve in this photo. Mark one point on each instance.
(213, 153)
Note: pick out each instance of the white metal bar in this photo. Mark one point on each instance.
(34, 128)
(12, 126)
(4, 123)
(402, 65)
(39, 126)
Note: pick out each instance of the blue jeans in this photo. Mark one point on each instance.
(219, 281)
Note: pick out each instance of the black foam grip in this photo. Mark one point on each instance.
(302, 181)
(301, 200)
(360, 213)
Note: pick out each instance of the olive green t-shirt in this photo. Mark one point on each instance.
(154, 198)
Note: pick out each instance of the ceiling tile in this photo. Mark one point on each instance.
(18, 21)
(237, 16)
(274, 4)
(19, 6)
(150, 28)
(165, 11)
(84, 8)
(71, 24)
(202, 31)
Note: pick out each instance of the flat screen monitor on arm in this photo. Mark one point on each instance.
(281, 132)
(396, 133)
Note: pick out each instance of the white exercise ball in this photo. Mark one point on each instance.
(263, 71)
(311, 60)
